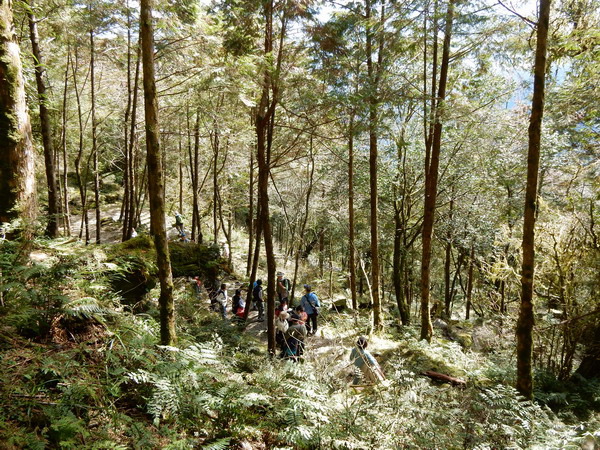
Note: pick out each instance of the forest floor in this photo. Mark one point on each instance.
(119, 349)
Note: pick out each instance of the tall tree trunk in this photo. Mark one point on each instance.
(95, 137)
(17, 172)
(132, 221)
(374, 75)
(53, 202)
(448, 262)
(402, 243)
(156, 178)
(254, 269)
(431, 177)
(195, 175)
(215, 146)
(251, 220)
(351, 240)
(399, 264)
(470, 281)
(265, 117)
(81, 181)
(63, 140)
(126, 205)
(181, 159)
(525, 321)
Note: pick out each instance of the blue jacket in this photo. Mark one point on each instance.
(307, 299)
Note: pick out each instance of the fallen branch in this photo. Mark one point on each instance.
(444, 378)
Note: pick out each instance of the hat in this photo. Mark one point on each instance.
(361, 342)
(307, 287)
(280, 274)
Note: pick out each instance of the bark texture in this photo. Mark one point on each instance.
(17, 180)
(156, 178)
(526, 320)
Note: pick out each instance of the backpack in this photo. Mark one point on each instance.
(313, 299)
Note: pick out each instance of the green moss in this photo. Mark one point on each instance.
(9, 122)
(136, 273)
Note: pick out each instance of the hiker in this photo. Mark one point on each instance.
(224, 249)
(281, 327)
(294, 341)
(283, 287)
(179, 223)
(282, 307)
(257, 297)
(298, 316)
(241, 308)
(310, 303)
(366, 367)
(197, 285)
(221, 300)
(235, 301)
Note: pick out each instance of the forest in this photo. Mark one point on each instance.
(416, 182)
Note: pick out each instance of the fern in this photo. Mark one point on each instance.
(220, 444)
(86, 308)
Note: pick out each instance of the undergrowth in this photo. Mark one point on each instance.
(79, 370)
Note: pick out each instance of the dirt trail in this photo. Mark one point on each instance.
(111, 229)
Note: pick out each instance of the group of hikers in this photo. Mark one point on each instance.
(293, 324)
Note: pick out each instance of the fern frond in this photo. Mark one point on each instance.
(85, 308)
(220, 444)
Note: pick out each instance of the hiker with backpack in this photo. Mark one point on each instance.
(294, 341)
(283, 287)
(310, 304)
(257, 297)
(366, 368)
(179, 224)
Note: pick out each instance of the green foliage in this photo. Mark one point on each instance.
(99, 379)
(573, 400)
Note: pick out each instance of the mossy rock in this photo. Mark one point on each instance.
(189, 259)
(464, 339)
(137, 274)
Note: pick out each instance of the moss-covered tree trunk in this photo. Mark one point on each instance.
(53, 201)
(525, 321)
(17, 177)
(156, 178)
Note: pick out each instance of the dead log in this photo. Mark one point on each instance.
(444, 378)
